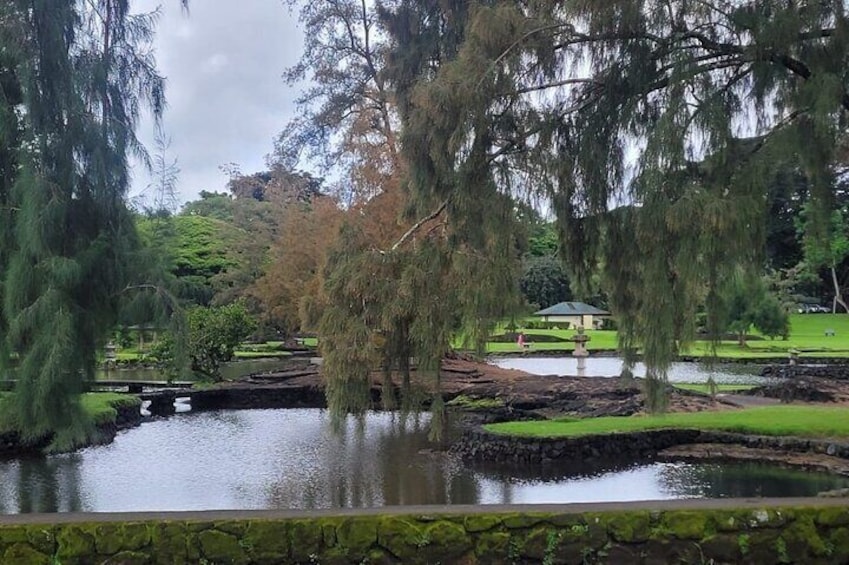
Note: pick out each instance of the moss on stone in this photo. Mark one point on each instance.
(524, 520)
(594, 533)
(629, 527)
(170, 543)
(447, 540)
(536, 542)
(838, 545)
(221, 547)
(136, 536)
(402, 537)
(128, 558)
(267, 541)
(688, 525)
(763, 547)
(357, 535)
(730, 520)
(806, 535)
(306, 539)
(378, 556)
(13, 534)
(75, 544)
(24, 554)
(833, 516)
(802, 540)
(42, 538)
(232, 527)
(108, 539)
(722, 548)
(328, 531)
(481, 522)
(492, 546)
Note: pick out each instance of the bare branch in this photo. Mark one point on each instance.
(417, 226)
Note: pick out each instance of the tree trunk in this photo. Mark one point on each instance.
(838, 297)
(387, 388)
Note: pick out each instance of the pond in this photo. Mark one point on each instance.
(726, 373)
(267, 459)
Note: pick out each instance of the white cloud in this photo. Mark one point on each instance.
(226, 100)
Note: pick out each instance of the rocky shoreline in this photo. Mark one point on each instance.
(672, 444)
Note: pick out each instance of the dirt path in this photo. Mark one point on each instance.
(214, 515)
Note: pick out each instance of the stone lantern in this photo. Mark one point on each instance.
(109, 353)
(580, 352)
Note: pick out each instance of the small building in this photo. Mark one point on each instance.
(575, 313)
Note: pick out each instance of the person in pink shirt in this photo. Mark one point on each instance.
(520, 341)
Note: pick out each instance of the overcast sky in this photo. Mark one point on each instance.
(226, 99)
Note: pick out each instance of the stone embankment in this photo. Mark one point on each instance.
(483, 445)
(838, 371)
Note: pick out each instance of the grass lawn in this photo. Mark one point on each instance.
(804, 421)
(99, 405)
(807, 335)
(599, 339)
(703, 388)
(259, 354)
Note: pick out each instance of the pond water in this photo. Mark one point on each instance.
(726, 373)
(265, 459)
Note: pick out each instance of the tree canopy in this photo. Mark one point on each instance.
(649, 127)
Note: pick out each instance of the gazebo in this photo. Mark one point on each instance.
(575, 313)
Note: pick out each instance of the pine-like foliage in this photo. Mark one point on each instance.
(75, 76)
(651, 127)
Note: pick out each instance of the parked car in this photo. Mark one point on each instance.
(812, 309)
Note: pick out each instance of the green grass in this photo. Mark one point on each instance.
(599, 339)
(704, 388)
(474, 402)
(804, 421)
(100, 406)
(259, 354)
(807, 335)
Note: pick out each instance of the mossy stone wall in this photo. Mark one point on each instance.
(768, 535)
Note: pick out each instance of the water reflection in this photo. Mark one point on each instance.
(291, 459)
(40, 485)
(745, 479)
(733, 373)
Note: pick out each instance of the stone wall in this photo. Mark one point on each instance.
(765, 534)
(486, 446)
(271, 396)
(830, 371)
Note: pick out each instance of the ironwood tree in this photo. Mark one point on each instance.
(650, 127)
(75, 77)
(394, 287)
